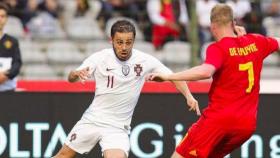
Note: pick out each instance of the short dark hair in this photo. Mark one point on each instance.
(4, 6)
(123, 26)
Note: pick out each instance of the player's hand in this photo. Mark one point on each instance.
(240, 30)
(158, 77)
(193, 104)
(83, 74)
(3, 77)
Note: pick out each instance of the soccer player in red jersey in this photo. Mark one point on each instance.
(235, 63)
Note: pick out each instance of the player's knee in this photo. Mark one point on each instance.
(115, 155)
(63, 153)
(176, 155)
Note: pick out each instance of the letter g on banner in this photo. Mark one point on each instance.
(158, 144)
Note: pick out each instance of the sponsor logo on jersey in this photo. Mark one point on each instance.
(125, 70)
(138, 69)
(109, 69)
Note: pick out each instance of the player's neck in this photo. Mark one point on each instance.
(225, 32)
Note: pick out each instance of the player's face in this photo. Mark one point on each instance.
(3, 18)
(122, 44)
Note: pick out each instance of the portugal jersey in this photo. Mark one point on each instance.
(118, 85)
(234, 93)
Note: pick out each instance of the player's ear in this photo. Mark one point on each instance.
(111, 40)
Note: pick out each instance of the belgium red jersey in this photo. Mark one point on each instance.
(234, 93)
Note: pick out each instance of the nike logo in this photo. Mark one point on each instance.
(108, 69)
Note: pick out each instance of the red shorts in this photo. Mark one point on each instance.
(205, 140)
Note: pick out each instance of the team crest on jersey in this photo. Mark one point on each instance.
(138, 69)
(8, 44)
(125, 70)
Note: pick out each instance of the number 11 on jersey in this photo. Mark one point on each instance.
(248, 67)
(110, 82)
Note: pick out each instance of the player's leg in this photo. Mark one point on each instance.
(234, 140)
(114, 142)
(65, 152)
(179, 149)
(114, 153)
(176, 155)
(201, 139)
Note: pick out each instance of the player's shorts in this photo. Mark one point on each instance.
(84, 136)
(205, 140)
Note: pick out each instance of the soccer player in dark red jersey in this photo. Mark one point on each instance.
(235, 63)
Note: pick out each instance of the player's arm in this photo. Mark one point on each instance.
(204, 71)
(79, 75)
(191, 101)
(3, 77)
(16, 62)
(278, 41)
(180, 85)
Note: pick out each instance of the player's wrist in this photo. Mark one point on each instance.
(189, 96)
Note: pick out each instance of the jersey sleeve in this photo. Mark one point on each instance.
(90, 62)
(268, 44)
(157, 66)
(16, 62)
(214, 56)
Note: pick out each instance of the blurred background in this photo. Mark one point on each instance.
(56, 35)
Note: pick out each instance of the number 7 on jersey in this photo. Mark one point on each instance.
(250, 68)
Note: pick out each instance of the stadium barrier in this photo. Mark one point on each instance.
(35, 124)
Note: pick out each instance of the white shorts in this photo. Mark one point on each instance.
(84, 136)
